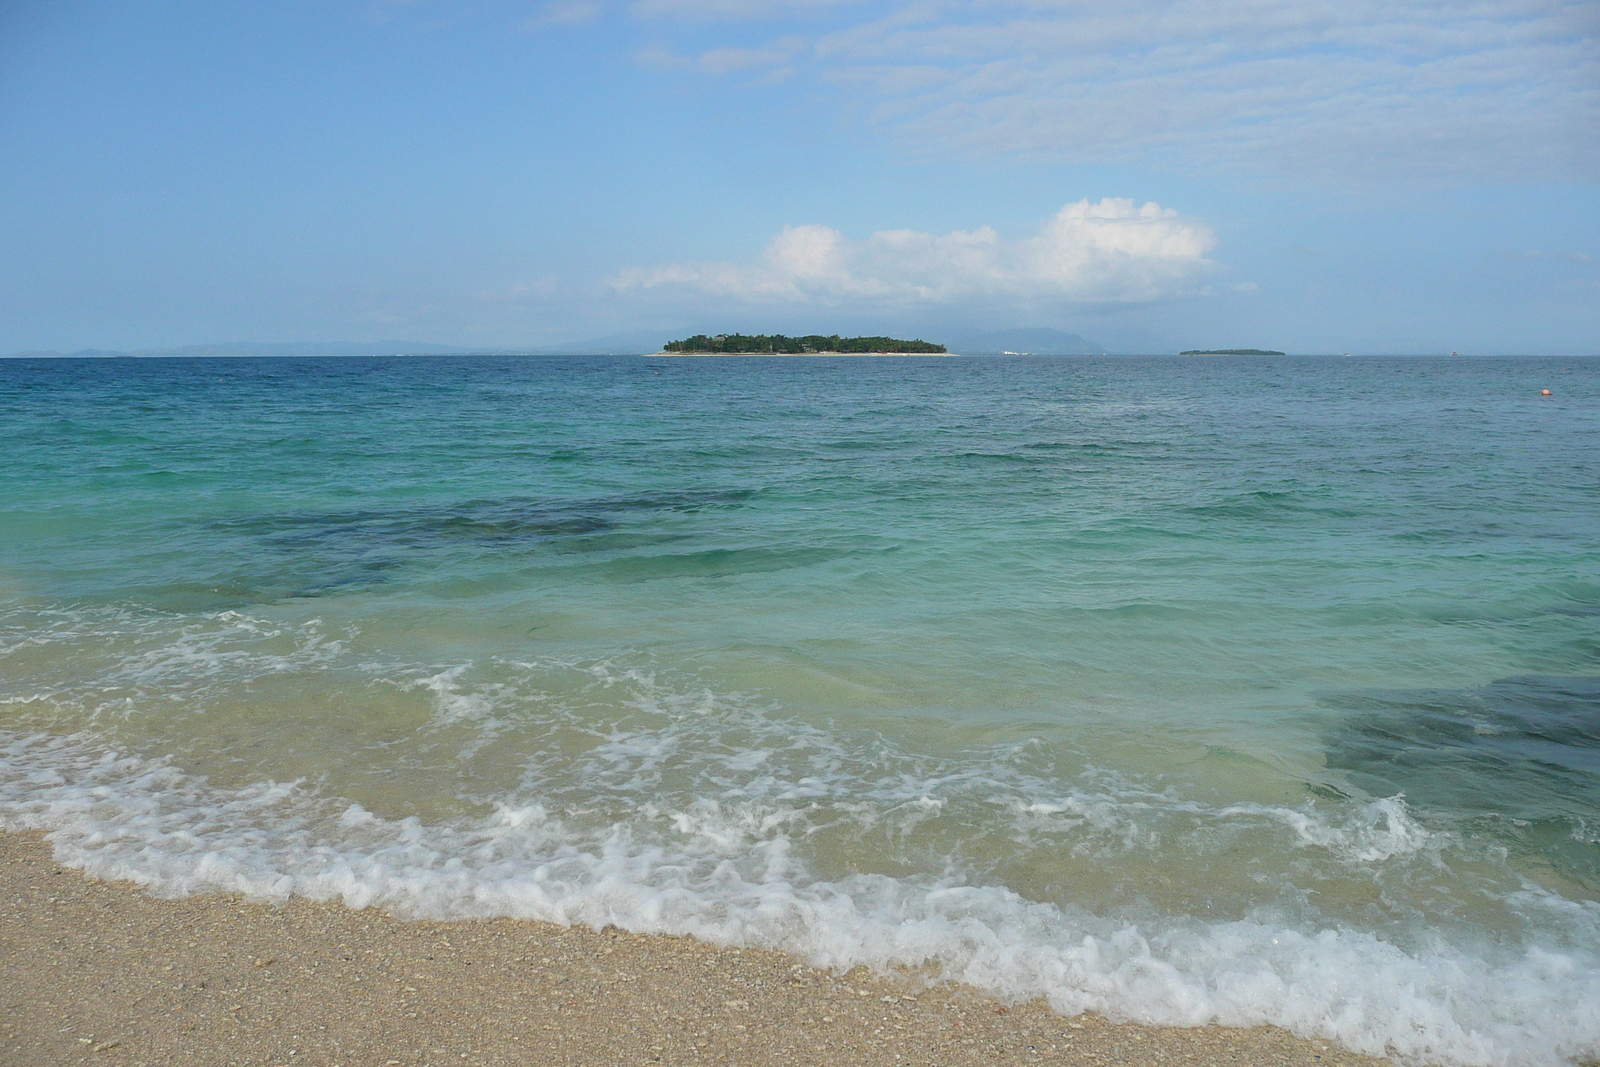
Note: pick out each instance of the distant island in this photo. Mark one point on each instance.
(1230, 352)
(778, 345)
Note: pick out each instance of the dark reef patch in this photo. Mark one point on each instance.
(1520, 753)
(267, 557)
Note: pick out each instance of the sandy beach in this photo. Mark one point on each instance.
(102, 973)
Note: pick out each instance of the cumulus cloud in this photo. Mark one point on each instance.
(1114, 251)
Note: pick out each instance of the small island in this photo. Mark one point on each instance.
(1230, 352)
(760, 344)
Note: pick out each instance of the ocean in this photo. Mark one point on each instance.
(1183, 690)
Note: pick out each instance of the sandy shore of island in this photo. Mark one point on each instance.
(101, 973)
(797, 355)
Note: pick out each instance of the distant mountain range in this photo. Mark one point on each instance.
(632, 343)
(613, 345)
(1039, 341)
(285, 348)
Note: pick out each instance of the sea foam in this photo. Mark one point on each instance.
(731, 875)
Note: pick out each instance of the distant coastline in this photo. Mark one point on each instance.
(1230, 352)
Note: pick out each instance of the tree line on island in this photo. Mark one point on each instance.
(780, 345)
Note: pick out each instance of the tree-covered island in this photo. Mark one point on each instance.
(778, 344)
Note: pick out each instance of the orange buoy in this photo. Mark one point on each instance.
(1544, 392)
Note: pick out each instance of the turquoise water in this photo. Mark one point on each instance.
(1184, 690)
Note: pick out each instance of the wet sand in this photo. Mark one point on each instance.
(101, 973)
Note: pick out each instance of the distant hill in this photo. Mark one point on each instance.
(1230, 352)
(86, 353)
(635, 343)
(1037, 341)
(272, 348)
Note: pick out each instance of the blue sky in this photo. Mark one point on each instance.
(1315, 176)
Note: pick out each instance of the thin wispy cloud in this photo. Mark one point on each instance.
(773, 60)
(1114, 251)
(565, 13)
(738, 10)
(1498, 89)
(1550, 253)
(1401, 175)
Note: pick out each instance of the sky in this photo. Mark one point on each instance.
(1312, 176)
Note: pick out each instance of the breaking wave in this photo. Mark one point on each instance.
(732, 874)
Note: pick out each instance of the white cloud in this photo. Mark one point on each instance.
(1110, 252)
(1499, 89)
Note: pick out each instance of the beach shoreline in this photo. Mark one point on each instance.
(104, 973)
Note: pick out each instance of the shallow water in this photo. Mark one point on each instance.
(1246, 690)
